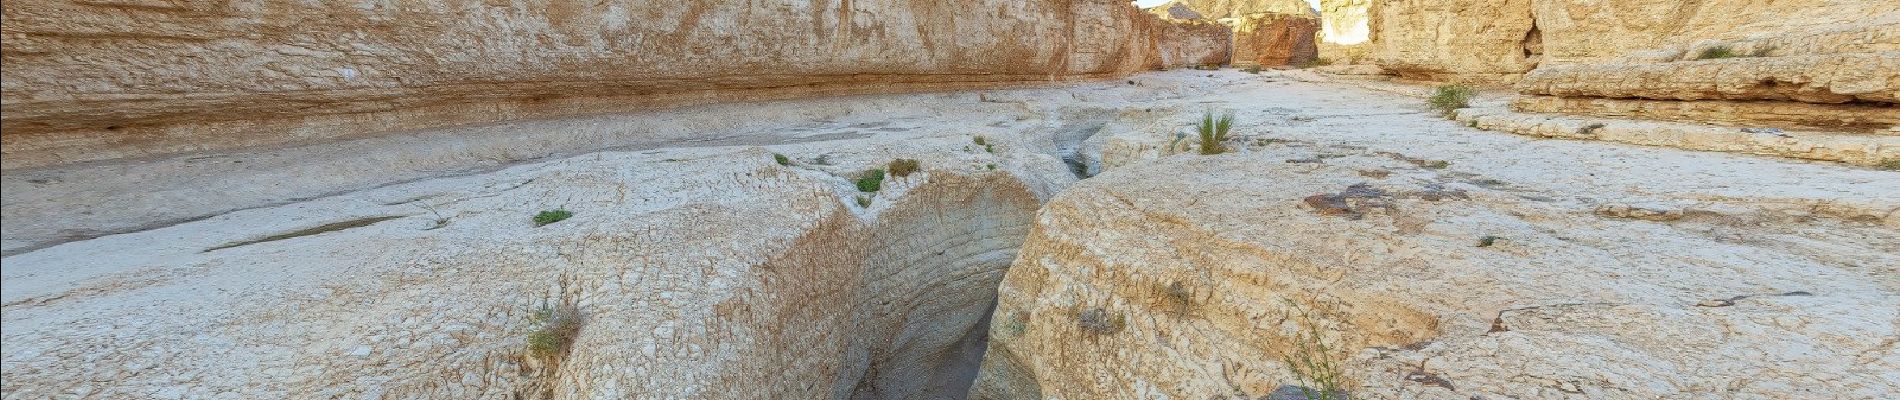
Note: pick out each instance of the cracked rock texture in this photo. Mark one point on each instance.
(98, 80)
(1431, 285)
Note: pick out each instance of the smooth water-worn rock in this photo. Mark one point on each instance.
(1422, 282)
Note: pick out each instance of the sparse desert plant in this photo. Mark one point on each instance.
(864, 201)
(1253, 70)
(823, 159)
(1315, 364)
(554, 327)
(980, 140)
(990, 148)
(871, 181)
(1316, 62)
(552, 216)
(903, 167)
(1213, 132)
(1178, 297)
(1717, 52)
(1447, 98)
(1098, 322)
(991, 167)
(1430, 164)
(1488, 241)
(781, 159)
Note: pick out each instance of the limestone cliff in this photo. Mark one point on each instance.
(93, 80)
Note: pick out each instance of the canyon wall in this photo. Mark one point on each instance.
(1497, 42)
(1265, 32)
(88, 80)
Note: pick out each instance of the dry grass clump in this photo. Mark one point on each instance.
(555, 327)
(903, 167)
(1316, 365)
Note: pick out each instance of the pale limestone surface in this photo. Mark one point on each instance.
(703, 268)
(706, 270)
(1616, 272)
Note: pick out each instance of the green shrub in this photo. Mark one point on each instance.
(990, 148)
(1717, 52)
(1447, 98)
(991, 167)
(871, 181)
(1213, 132)
(551, 216)
(781, 159)
(903, 167)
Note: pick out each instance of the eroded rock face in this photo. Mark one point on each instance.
(1209, 270)
(1275, 39)
(97, 80)
(1265, 32)
(1454, 40)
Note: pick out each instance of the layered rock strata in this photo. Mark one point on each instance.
(1202, 276)
(89, 81)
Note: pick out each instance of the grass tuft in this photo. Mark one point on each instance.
(1316, 365)
(903, 167)
(781, 159)
(551, 216)
(1447, 98)
(1213, 132)
(1717, 52)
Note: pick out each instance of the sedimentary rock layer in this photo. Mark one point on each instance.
(1201, 276)
(1491, 41)
(1868, 117)
(1855, 148)
(101, 80)
(1837, 78)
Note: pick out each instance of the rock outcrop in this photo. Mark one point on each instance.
(88, 81)
(1454, 40)
(1202, 276)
